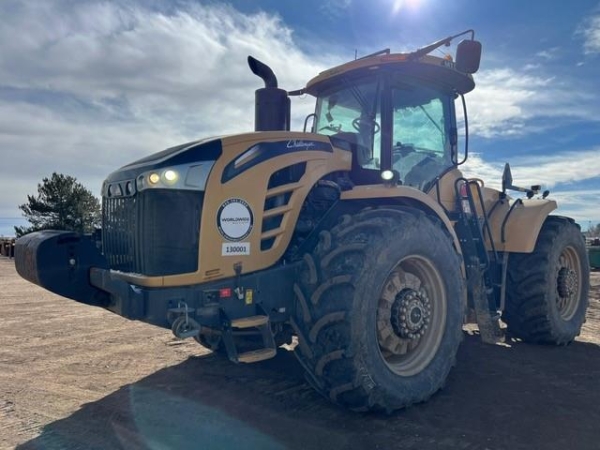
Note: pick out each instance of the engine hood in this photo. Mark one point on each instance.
(208, 149)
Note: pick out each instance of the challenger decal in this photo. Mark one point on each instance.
(264, 151)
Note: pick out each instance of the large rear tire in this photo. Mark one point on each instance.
(547, 290)
(379, 312)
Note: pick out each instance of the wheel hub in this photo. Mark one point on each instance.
(567, 282)
(410, 315)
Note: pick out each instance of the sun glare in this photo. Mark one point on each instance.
(405, 4)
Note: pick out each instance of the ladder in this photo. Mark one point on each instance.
(260, 321)
(185, 326)
(480, 270)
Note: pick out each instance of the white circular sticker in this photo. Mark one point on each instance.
(235, 219)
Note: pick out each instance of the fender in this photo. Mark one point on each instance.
(522, 224)
(404, 195)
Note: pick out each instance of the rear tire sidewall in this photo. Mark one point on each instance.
(570, 237)
(431, 243)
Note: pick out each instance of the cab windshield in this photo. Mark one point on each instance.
(353, 114)
(418, 126)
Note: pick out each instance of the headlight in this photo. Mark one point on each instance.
(188, 177)
(390, 177)
(114, 190)
(170, 176)
(387, 175)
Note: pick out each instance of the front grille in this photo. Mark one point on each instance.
(119, 233)
(154, 232)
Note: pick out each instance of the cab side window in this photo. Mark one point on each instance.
(421, 149)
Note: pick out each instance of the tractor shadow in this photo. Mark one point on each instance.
(497, 397)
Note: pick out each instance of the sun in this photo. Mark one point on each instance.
(405, 4)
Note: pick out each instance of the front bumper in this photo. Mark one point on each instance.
(60, 261)
(234, 298)
(72, 266)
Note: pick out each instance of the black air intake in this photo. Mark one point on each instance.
(272, 106)
(154, 233)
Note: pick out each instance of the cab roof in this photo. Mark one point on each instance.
(431, 69)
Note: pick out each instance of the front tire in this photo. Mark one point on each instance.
(547, 290)
(379, 310)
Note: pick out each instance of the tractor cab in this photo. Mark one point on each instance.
(391, 122)
(395, 112)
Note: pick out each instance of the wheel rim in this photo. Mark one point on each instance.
(411, 316)
(568, 283)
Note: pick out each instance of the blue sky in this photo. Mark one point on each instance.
(87, 86)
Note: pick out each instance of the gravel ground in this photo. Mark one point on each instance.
(78, 377)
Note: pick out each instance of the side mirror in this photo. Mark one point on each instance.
(507, 183)
(468, 56)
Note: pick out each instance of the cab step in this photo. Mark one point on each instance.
(249, 322)
(256, 355)
(262, 323)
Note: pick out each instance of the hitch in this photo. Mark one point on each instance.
(184, 326)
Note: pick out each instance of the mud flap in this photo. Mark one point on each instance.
(60, 261)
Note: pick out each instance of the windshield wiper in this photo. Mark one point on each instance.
(432, 120)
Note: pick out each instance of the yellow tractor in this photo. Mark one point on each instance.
(359, 239)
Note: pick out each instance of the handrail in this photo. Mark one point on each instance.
(502, 229)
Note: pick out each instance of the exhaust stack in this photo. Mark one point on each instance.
(272, 105)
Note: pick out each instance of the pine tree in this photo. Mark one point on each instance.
(61, 203)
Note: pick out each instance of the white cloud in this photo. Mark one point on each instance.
(559, 168)
(550, 170)
(93, 85)
(182, 65)
(590, 30)
(334, 8)
(506, 101)
(498, 103)
(548, 54)
(477, 167)
(581, 205)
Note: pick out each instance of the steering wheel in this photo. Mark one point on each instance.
(358, 122)
(332, 128)
(400, 149)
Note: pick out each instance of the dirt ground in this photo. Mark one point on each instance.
(78, 377)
